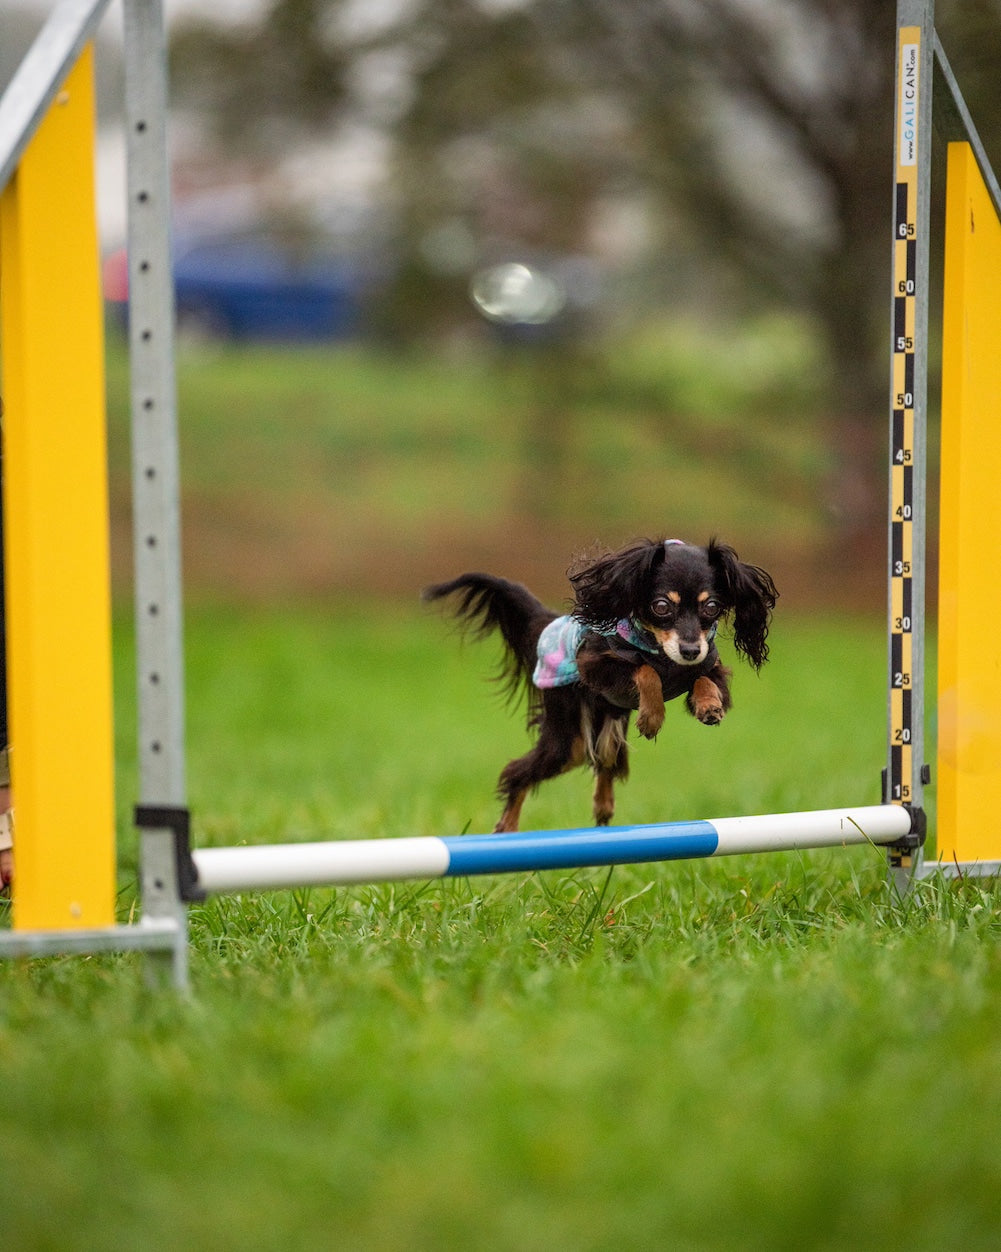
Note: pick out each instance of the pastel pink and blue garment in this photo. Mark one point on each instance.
(559, 644)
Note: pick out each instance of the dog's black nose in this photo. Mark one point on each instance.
(689, 651)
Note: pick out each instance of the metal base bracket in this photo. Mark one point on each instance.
(960, 869)
(154, 935)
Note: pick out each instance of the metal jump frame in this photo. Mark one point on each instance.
(155, 482)
(907, 773)
(172, 874)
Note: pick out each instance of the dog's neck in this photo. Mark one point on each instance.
(632, 630)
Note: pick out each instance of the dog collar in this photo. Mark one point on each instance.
(635, 633)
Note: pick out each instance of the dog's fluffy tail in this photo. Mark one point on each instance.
(486, 604)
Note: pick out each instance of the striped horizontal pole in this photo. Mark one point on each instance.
(345, 862)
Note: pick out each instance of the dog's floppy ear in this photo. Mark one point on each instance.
(752, 594)
(614, 586)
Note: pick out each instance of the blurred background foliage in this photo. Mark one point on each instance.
(715, 159)
(706, 183)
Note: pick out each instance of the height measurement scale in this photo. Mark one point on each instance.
(902, 443)
(908, 348)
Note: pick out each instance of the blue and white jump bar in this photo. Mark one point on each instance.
(275, 866)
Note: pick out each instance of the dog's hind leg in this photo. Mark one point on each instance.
(508, 821)
(512, 813)
(610, 758)
(560, 746)
(604, 797)
(548, 758)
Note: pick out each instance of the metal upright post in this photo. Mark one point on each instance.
(161, 814)
(906, 771)
(36, 83)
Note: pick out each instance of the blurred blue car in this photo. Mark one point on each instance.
(255, 287)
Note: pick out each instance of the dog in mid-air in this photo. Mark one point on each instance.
(642, 631)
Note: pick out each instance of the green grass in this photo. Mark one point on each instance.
(293, 462)
(761, 1052)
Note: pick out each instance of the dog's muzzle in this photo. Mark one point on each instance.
(684, 651)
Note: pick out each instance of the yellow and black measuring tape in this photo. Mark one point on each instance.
(903, 602)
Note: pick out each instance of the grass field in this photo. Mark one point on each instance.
(769, 1052)
(311, 472)
(765, 1052)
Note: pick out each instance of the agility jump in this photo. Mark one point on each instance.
(466, 856)
(64, 887)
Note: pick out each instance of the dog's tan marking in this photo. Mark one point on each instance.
(703, 595)
(604, 798)
(661, 635)
(607, 747)
(651, 693)
(674, 596)
(509, 819)
(707, 702)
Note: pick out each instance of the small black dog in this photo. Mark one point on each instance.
(642, 630)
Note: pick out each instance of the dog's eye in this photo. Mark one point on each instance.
(662, 608)
(711, 609)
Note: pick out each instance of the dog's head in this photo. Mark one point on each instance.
(679, 593)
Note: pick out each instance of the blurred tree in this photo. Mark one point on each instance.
(261, 84)
(472, 169)
(805, 88)
(762, 129)
(729, 97)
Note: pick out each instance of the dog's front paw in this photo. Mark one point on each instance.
(710, 714)
(706, 702)
(649, 722)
